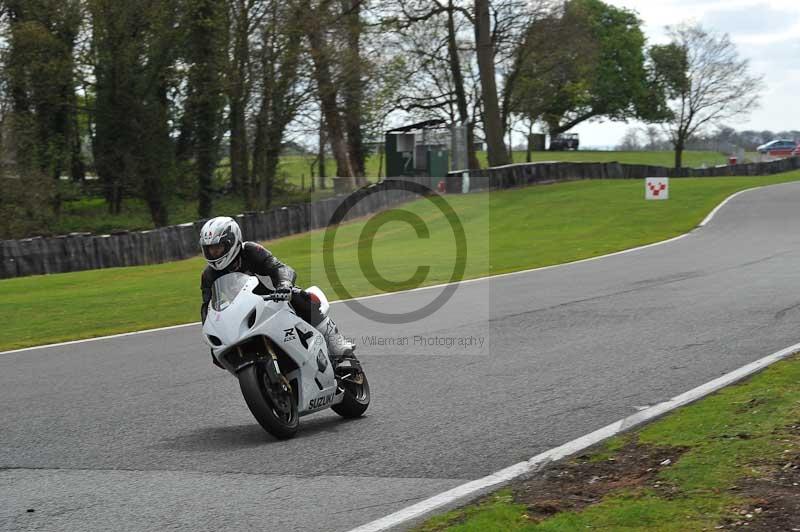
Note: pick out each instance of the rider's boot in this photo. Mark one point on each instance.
(338, 346)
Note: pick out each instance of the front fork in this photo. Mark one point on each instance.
(273, 370)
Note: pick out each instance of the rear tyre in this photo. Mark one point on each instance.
(273, 406)
(356, 397)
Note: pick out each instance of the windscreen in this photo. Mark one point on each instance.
(225, 290)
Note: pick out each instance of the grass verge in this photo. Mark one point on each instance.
(729, 461)
(506, 231)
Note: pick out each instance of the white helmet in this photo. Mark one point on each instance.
(221, 241)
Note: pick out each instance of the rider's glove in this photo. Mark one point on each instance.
(283, 292)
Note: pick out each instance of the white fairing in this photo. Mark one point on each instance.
(247, 317)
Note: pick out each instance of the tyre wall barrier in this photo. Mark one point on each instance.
(514, 175)
(84, 251)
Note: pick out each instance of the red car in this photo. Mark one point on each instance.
(796, 151)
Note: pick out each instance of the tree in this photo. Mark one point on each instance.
(41, 81)
(583, 61)
(630, 141)
(244, 17)
(136, 45)
(459, 58)
(279, 51)
(654, 138)
(353, 83)
(492, 124)
(205, 53)
(439, 63)
(317, 13)
(707, 82)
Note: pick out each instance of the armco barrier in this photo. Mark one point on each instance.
(83, 251)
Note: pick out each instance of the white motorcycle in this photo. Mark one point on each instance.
(281, 361)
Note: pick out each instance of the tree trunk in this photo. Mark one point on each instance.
(155, 156)
(206, 163)
(353, 86)
(474, 163)
(77, 168)
(240, 163)
(458, 82)
(491, 110)
(259, 158)
(321, 155)
(679, 146)
(529, 150)
(272, 157)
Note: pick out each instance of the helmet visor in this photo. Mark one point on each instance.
(214, 251)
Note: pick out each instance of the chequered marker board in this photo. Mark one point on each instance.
(656, 188)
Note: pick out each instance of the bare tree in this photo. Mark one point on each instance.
(436, 38)
(708, 82)
(654, 138)
(630, 141)
(322, 56)
(448, 76)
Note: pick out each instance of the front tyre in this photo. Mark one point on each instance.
(356, 396)
(273, 405)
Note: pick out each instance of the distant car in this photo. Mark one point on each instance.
(565, 141)
(796, 151)
(777, 145)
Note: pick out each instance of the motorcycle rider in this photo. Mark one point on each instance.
(225, 252)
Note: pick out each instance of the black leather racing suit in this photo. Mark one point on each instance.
(255, 259)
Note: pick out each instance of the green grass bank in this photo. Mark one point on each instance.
(506, 231)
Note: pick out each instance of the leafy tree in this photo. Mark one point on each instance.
(205, 53)
(136, 47)
(41, 37)
(585, 61)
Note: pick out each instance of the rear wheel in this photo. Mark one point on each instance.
(356, 396)
(273, 405)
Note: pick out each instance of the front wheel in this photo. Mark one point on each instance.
(273, 405)
(356, 396)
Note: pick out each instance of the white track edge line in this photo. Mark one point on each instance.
(466, 281)
(463, 491)
(97, 338)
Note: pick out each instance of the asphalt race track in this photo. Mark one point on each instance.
(143, 433)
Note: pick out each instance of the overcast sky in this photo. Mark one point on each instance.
(766, 32)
